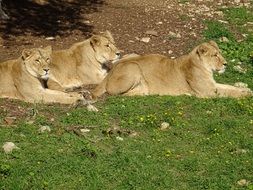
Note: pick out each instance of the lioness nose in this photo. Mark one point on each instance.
(46, 70)
(118, 54)
(225, 63)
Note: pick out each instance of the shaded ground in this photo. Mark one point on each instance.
(178, 24)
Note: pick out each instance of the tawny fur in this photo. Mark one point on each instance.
(83, 63)
(24, 79)
(191, 74)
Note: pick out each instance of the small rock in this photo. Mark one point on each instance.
(133, 134)
(224, 39)
(241, 85)
(92, 108)
(50, 38)
(239, 69)
(151, 32)
(9, 147)
(174, 35)
(243, 182)
(159, 23)
(145, 39)
(86, 22)
(241, 151)
(223, 21)
(170, 51)
(245, 35)
(44, 128)
(164, 126)
(9, 120)
(178, 35)
(30, 122)
(193, 34)
(85, 130)
(219, 13)
(119, 138)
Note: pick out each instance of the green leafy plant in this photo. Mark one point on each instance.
(216, 30)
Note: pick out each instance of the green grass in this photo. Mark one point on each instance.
(239, 15)
(209, 144)
(216, 30)
(200, 150)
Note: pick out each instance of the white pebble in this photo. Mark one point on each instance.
(9, 147)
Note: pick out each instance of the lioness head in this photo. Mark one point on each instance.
(210, 55)
(37, 61)
(104, 47)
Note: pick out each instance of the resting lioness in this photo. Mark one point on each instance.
(83, 63)
(24, 78)
(156, 74)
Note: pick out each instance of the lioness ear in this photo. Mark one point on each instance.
(26, 53)
(213, 43)
(48, 49)
(108, 35)
(95, 40)
(202, 49)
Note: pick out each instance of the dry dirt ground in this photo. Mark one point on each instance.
(173, 26)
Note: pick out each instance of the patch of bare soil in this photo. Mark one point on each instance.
(175, 25)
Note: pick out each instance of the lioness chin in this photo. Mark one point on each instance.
(83, 63)
(190, 74)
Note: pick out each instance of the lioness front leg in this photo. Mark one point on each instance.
(225, 90)
(53, 85)
(53, 96)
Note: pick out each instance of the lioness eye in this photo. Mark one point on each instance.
(107, 45)
(48, 60)
(37, 61)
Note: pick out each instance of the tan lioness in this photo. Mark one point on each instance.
(25, 79)
(190, 74)
(83, 63)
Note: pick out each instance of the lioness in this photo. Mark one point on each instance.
(24, 78)
(156, 74)
(83, 63)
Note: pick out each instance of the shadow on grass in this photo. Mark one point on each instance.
(57, 17)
